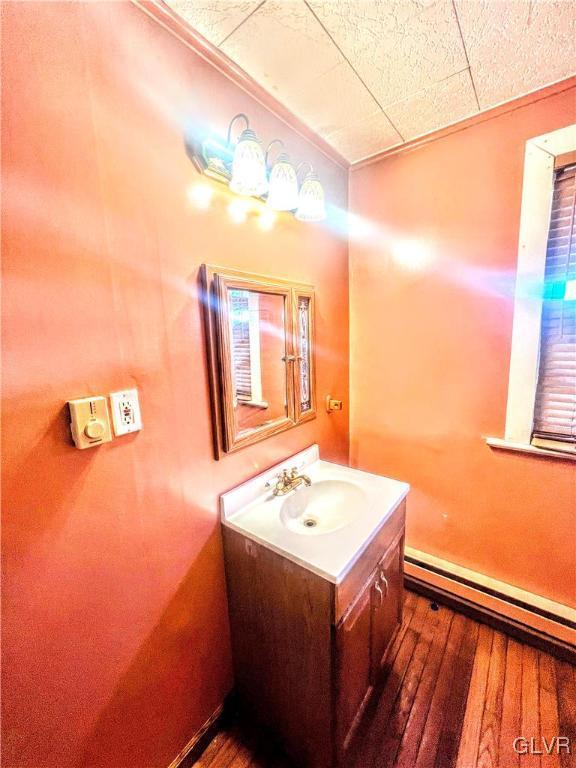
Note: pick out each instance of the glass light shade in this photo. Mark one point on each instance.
(311, 200)
(283, 185)
(248, 166)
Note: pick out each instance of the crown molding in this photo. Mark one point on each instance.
(163, 15)
(469, 122)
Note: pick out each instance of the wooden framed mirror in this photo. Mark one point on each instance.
(260, 344)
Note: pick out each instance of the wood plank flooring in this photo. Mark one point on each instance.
(455, 695)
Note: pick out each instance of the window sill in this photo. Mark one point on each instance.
(506, 445)
(262, 404)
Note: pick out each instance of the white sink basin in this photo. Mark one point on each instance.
(323, 507)
(323, 527)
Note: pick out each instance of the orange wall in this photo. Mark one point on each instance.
(115, 634)
(430, 354)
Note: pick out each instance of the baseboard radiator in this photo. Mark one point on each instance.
(530, 618)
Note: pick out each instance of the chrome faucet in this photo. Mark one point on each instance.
(286, 481)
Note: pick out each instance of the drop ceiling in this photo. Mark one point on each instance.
(367, 75)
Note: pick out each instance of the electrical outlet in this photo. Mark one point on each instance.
(125, 411)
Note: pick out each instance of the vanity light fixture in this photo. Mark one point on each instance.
(243, 167)
(311, 198)
(211, 157)
(283, 184)
(248, 163)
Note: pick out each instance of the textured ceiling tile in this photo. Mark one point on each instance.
(333, 100)
(409, 53)
(437, 106)
(399, 46)
(282, 46)
(516, 46)
(365, 138)
(214, 19)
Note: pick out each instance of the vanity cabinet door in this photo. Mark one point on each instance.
(353, 663)
(386, 604)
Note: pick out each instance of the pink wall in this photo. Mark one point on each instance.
(430, 353)
(115, 634)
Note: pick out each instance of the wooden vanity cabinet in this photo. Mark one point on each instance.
(363, 636)
(307, 652)
(354, 663)
(386, 603)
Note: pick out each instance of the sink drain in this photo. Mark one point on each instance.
(309, 522)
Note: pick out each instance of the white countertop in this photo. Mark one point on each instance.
(251, 509)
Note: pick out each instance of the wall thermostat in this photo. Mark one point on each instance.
(125, 411)
(89, 421)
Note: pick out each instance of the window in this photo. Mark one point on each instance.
(540, 412)
(555, 407)
(240, 341)
(245, 320)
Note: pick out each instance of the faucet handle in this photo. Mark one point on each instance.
(279, 477)
(271, 483)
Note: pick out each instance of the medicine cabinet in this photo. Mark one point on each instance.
(260, 343)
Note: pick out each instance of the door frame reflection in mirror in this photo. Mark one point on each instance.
(215, 284)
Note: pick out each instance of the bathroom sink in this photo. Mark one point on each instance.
(323, 507)
(324, 526)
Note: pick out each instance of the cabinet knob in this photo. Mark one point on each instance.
(379, 590)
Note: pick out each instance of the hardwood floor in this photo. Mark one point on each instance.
(456, 694)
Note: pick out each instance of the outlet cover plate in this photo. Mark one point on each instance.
(125, 409)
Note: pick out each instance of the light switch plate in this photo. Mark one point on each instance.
(89, 421)
(126, 415)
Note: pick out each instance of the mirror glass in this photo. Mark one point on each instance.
(303, 330)
(258, 357)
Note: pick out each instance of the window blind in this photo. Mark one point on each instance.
(555, 407)
(239, 313)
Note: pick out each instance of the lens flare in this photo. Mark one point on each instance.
(200, 195)
(414, 255)
(266, 220)
(238, 210)
(360, 229)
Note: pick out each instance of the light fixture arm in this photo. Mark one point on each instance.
(243, 116)
(301, 165)
(274, 141)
